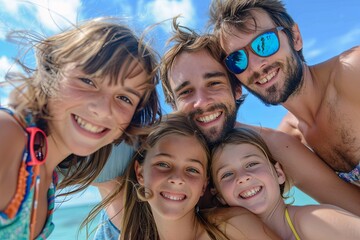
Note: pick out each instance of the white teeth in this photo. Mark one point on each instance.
(250, 192)
(267, 78)
(209, 118)
(171, 197)
(88, 126)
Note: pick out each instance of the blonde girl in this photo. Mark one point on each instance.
(246, 175)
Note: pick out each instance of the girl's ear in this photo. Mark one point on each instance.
(204, 187)
(139, 172)
(298, 43)
(218, 196)
(280, 173)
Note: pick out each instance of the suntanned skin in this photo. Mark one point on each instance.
(206, 80)
(245, 177)
(194, 89)
(324, 110)
(66, 136)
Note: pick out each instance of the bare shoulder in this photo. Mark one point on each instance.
(351, 56)
(326, 222)
(239, 223)
(346, 73)
(289, 124)
(12, 143)
(12, 139)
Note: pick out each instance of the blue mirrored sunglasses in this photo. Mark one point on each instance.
(263, 45)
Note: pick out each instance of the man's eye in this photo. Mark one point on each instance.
(186, 92)
(214, 83)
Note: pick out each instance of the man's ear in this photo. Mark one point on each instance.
(218, 196)
(139, 173)
(238, 92)
(280, 173)
(298, 42)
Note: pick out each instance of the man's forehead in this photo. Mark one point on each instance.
(195, 63)
(232, 37)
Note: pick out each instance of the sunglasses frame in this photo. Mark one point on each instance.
(32, 131)
(275, 30)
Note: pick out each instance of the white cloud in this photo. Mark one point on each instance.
(51, 15)
(57, 13)
(313, 53)
(350, 37)
(10, 7)
(165, 9)
(311, 49)
(5, 66)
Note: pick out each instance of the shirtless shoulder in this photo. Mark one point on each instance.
(346, 74)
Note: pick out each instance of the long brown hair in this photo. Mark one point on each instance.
(185, 39)
(100, 47)
(138, 221)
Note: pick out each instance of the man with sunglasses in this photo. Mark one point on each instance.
(196, 83)
(264, 50)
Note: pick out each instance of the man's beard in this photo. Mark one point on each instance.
(214, 135)
(292, 84)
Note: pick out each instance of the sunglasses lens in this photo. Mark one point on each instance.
(39, 147)
(237, 61)
(266, 44)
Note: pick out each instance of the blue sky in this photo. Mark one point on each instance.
(328, 27)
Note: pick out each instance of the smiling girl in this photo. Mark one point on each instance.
(164, 183)
(246, 175)
(93, 86)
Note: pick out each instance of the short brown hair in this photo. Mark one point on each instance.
(227, 14)
(185, 39)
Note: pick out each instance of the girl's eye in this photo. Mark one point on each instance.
(87, 81)
(125, 99)
(251, 164)
(193, 170)
(226, 175)
(163, 165)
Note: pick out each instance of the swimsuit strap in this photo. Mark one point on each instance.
(291, 225)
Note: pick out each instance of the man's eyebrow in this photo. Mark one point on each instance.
(214, 74)
(181, 86)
